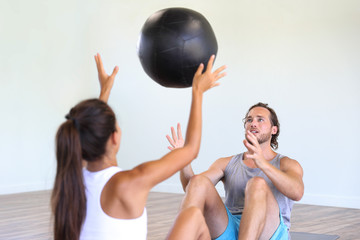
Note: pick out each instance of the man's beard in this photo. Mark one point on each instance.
(264, 137)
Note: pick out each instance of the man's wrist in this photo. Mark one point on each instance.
(262, 164)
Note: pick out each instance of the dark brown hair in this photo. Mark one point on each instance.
(274, 122)
(82, 137)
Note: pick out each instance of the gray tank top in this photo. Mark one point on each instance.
(236, 176)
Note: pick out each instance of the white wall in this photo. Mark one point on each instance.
(301, 57)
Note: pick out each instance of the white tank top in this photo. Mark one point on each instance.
(100, 226)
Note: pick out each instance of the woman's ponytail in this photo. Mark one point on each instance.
(68, 197)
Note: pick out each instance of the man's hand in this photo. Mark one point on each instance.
(176, 141)
(106, 81)
(254, 150)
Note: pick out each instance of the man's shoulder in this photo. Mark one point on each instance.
(284, 158)
(287, 162)
(222, 162)
(227, 159)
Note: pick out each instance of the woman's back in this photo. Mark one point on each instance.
(97, 224)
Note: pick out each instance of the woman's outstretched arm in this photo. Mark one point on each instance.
(154, 172)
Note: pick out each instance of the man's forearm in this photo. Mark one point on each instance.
(185, 175)
(289, 184)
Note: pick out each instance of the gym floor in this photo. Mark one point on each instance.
(27, 216)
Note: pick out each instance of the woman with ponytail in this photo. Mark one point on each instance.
(101, 201)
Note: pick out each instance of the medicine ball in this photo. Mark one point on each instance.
(172, 44)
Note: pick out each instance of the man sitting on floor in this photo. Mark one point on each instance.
(260, 184)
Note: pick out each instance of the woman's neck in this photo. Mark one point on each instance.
(101, 164)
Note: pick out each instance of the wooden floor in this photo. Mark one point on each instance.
(27, 216)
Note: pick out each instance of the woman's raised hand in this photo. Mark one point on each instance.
(208, 79)
(106, 81)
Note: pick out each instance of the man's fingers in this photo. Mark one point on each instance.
(170, 140)
(252, 139)
(249, 146)
(173, 134)
(251, 156)
(179, 131)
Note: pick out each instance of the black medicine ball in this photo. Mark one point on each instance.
(172, 44)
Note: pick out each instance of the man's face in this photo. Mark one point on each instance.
(258, 122)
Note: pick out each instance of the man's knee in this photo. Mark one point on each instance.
(257, 185)
(199, 183)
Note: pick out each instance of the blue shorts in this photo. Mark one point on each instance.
(232, 229)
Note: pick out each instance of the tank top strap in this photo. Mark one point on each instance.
(234, 161)
(276, 161)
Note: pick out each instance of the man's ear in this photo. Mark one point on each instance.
(274, 130)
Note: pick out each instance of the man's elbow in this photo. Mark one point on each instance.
(298, 197)
(299, 194)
